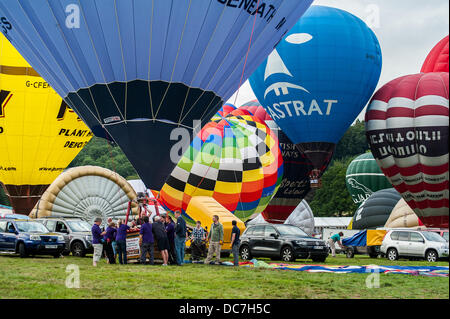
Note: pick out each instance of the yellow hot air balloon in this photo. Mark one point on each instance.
(39, 134)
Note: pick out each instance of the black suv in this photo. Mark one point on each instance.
(287, 242)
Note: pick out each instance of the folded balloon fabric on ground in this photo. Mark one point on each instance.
(435, 271)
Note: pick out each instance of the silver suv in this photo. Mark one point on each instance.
(76, 232)
(413, 243)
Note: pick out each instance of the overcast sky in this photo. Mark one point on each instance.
(406, 29)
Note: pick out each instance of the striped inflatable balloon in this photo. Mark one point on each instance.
(236, 160)
(407, 129)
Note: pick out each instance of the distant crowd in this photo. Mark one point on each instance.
(170, 237)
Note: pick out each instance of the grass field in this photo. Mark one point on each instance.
(45, 277)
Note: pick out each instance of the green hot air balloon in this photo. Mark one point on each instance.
(364, 177)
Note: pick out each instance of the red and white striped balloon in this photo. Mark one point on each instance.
(407, 130)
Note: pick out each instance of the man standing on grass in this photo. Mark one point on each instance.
(336, 238)
(97, 237)
(235, 241)
(180, 237)
(147, 241)
(215, 238)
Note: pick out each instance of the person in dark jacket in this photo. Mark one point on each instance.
(159, 231)
(121, 241)
(97, 238)
(180, 238)
(109, 238)
(147, 241)
(170, 230)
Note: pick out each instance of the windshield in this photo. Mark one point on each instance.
(433, 236)
(31, 227)
(79, 225)
(445, 235)
(287, 230)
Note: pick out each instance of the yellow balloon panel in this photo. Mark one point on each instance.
(39, 134)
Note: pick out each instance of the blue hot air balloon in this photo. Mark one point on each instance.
(318, 79)
(147, 72)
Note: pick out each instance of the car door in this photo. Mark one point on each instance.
(2, 233)
(62, 229)
(416, 245)
(271, 244)
(403, 243)
(10, 236)
(255, 241)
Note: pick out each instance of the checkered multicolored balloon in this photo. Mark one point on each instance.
(234, 159)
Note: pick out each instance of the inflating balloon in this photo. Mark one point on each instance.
(235, 160)
(402, 216)
(318, 79)
(86, 192)
(39, 134)
(302, 217)
(223, 112)
(364, 177)
(147, 72)
(296, 168)
(375, 211)
(407, 129)
(437, 59)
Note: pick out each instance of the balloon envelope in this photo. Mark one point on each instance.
(402, 216)
(375, 211)
(236, 160)
(437, 59)
(296, 168)
(147, 72)
(39, 134)
(364, 177)
(407, 130)
(318, 79)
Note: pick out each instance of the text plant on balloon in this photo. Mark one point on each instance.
(148, 72)
(407, 130)
(39, 134)
(318, 79)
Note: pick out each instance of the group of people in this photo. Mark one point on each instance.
(170, 238)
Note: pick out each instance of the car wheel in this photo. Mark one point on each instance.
(350, 253)
(431, 256)
(78, 249)
(22, 250)
(57, 255)
(392, 254)
(287, 254)
(245, 253)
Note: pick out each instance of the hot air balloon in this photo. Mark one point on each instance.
(86, 192)
(296, 168)
(364, 177)
(39, 134)
(375, 211)
(302, 217)
(147, 72)
(437, 59)
(235, 160)
(318, 79)
(402, 216)
(407, 130)
(223, 112)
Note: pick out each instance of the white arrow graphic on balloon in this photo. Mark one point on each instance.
(275, 65)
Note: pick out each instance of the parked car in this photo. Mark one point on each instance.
(29, 237)
(413, 243)
(441, 232)
(76, 232)
(285, 242)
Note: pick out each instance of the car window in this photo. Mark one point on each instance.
(290, 230)
(415, 237)
(259, 231)
(445, 235)
(433, 236)
(51, 225)
(31, 227)
(394, 235)
(79, 225)
(60, 226)
(269, 230)
(249, 231)
(10, 226)
(403, 235)
(2, 226)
